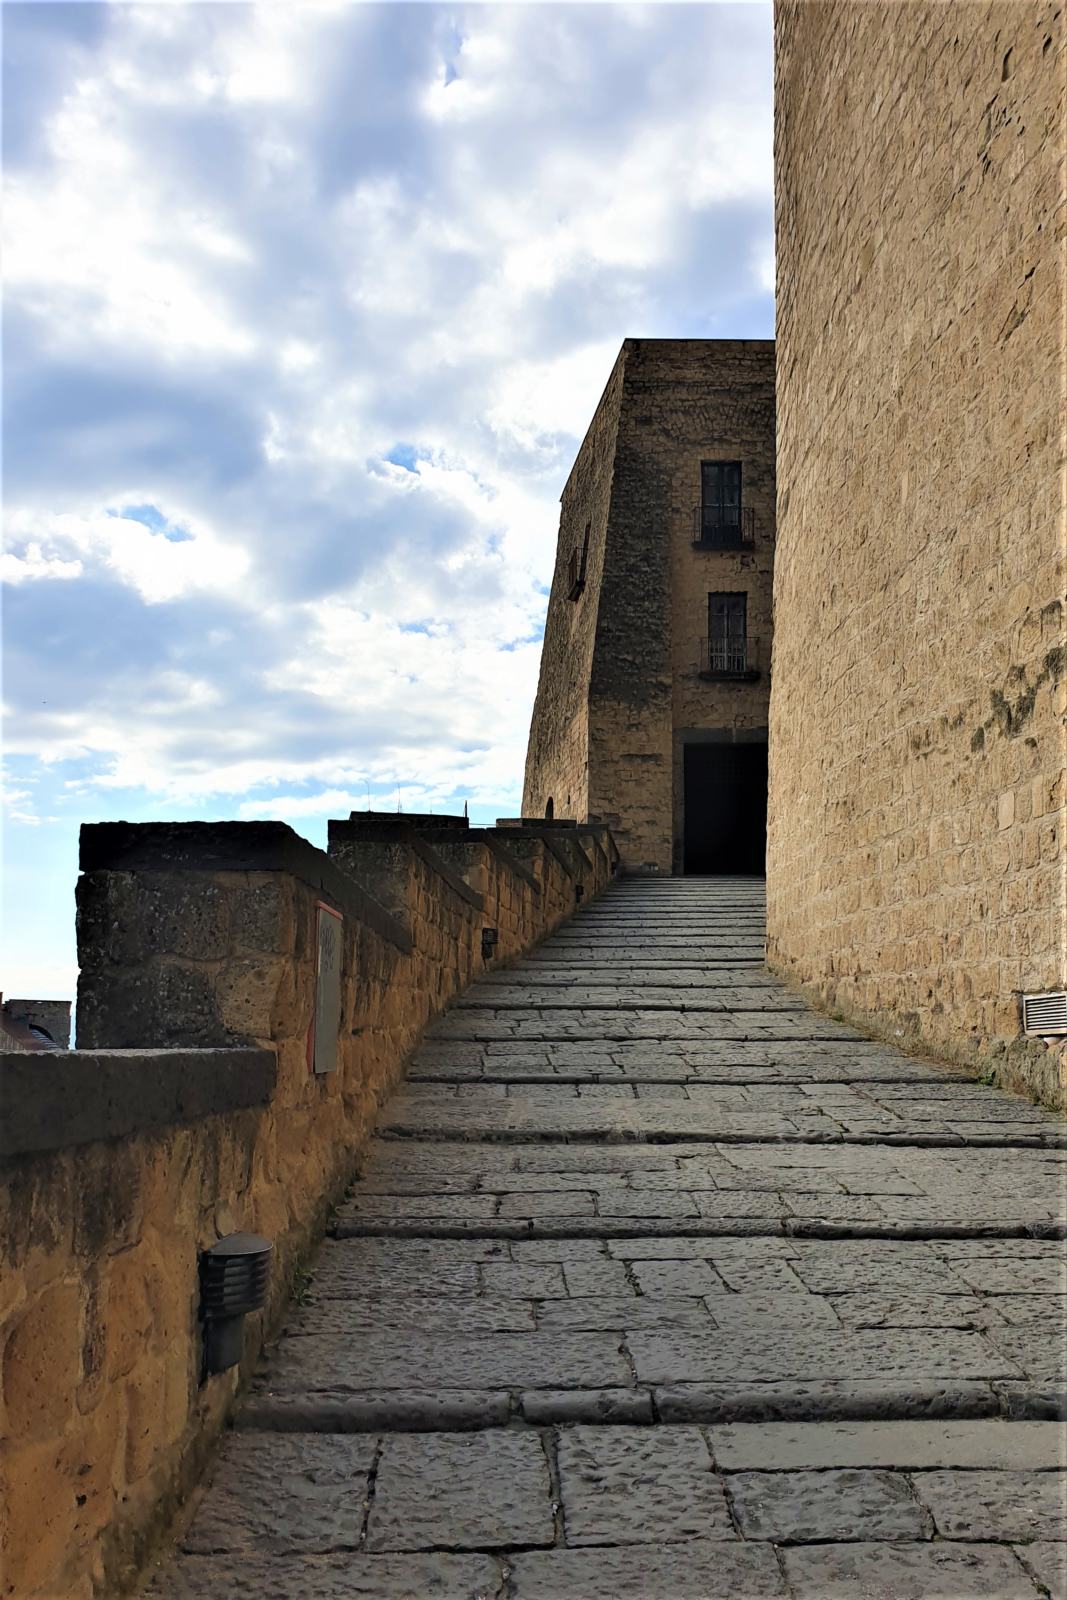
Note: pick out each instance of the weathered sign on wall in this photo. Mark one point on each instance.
(322, 1046)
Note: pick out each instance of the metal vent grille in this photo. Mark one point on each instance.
(1045, 1013)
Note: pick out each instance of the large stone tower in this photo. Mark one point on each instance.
(651, 709)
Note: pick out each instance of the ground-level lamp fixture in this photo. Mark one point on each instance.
(489, 942)
(234, 1274)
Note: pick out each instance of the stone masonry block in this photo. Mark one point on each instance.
(463, 1491)
(285, 1493)
(639, 1486)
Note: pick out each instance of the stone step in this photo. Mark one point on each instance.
(583, 1511)
(694, 997)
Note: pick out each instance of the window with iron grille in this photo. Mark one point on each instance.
(720, 500)
(727, 633)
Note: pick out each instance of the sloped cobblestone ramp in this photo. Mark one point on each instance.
(658, 1285)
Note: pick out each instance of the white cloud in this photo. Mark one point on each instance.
(150, 563)
(333, 292)
(32, 563)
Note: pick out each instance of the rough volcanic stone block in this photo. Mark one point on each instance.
(461, 1491)
(639, 1486)
(349, 1577)
(764, 1315)
(750, 1276)
(284, 1492)
(807, 1507)
(1048, 1564)
(699, 1569)
(906, 1572)
(1014, 1276)
(524, 1280)
(907, 1310)
(400, 1266)
(996, 1505)
(446, 1314)
(564, 1251)
(623, 1311)
(599, 1277)
(647, 1203)
(410, 1410)
(780, 1446)
(676, 1278)
(446, 1207)
(825, 1400)
(1038, 1351)
(816, 1353)
(401, 1359)
(559, 1406)
(565, 1203)
(877, 1272)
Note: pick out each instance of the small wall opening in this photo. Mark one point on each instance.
(550, 809)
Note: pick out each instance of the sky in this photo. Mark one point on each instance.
(307, 309)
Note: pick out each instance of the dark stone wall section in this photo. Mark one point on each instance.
(63, 1098)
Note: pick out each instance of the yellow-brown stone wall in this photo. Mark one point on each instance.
(916, 846)
(104, 1419)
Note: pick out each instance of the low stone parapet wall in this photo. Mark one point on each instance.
(196, 1106)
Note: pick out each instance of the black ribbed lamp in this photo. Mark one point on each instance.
(234, 1275)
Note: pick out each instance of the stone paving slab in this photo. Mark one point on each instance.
(841, 1503)
(796, 1353)
(1008, 1506)
(462, 1491)
(778, 1447)
(639, 1486)
(406, 1358)
(344, 1577)
(325, 1478)
(906, 1572)
(1047, 1562)
(697, 1570)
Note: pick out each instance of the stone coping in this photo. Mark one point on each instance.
(233, 847)
(814, 1403)
(71, 1097)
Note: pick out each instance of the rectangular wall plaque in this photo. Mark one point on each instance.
(322, 1046)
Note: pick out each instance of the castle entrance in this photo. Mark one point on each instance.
(725, 808)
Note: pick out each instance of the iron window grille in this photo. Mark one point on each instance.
(727, 651)
(723, 659)
(724, 527)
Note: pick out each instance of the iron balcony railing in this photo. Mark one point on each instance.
(720, 527)
(729, 658)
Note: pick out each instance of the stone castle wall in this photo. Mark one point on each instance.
(916, 849)
(123, 1160)
(557, 756)
(629, 660)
